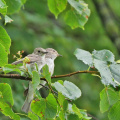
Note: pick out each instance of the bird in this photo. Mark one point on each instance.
(38, 57)
(51, 55)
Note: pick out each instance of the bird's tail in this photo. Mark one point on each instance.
(29, 98)
(26, 106)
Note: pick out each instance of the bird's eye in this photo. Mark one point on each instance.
(38, 51)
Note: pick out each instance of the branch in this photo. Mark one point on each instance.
(17, 76)
(94, 118)
(73, 73)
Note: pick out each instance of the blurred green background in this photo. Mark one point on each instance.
(34, 26)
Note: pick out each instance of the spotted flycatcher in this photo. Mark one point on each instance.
(38, 57)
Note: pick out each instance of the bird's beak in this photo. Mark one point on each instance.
(45, 52)
(59, 55)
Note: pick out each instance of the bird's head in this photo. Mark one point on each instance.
(52, 53)
(40, 51)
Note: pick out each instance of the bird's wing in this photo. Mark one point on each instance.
(18, 61)
(33, 58)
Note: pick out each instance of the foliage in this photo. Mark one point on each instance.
(76, 14)
(57, 106)
(6, 101)
(5, 43)
(103, 61)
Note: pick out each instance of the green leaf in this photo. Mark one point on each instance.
(84, 56)
(115, 71)
(35, 79)
(62, 101)
(65, 105)
(104, 103)
(32, 116)
(45, 108)
(3, 56)
(7, 19)
(108, 97)
(38, 107)
(6, 94)
(61, 4)
(6, 101)
(114, 113)
(10, 68)
(13, 6)
(7, 111)
(84, 113)
(51, 107)
(60, 81)
(61, 115)
(57, 6)
(74, 19)
(52, 4)
(77, 111)
(46, 73)
(3, 7)
(61, 98)
(109, 73)
(68, 89)
(106, 76)
(80, 6)
(4, 40)
(103, 55)
(78, 14)
(72, 117)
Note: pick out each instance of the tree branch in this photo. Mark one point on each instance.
(17, 76)
(94, 118)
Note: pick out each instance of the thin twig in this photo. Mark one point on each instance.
(94, 118)
(47, 88)
(17, 76)
(52, 91)
(73, 73)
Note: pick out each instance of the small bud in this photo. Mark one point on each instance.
(20, 56)
(18, 52)
(22, 51)
(14, 56)
(26, 60)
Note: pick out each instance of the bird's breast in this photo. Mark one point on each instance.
(50, 64)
